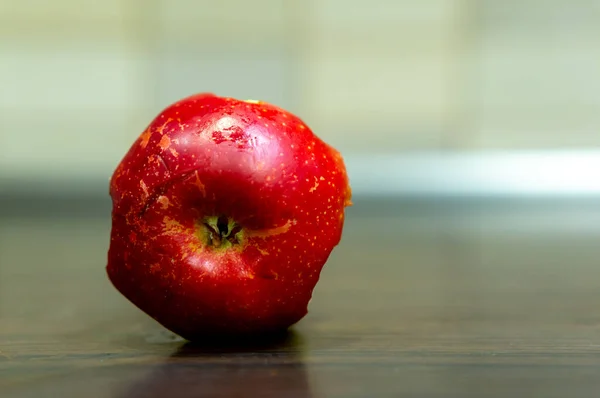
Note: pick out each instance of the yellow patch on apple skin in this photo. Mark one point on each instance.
(174, 152)
(144, 188)
(195, 246)
(199, 184)
(154, 267)
(264, 233)
(119, 170)
(172, 226)
(164, 142)
(144, 138)
(314, 187)
(162, 128)
(348, 198)
(252, 101)
(164, 202)
(261, 251)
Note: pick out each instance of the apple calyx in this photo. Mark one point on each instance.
(219, 232)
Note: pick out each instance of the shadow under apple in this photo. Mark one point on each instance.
(267, 367)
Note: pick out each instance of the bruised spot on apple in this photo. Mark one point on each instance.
(224, 214)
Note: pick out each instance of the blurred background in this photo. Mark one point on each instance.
(461, 123)
(426, 96)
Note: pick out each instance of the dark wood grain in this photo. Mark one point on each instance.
(437, 300)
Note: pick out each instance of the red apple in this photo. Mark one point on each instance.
(224, 214)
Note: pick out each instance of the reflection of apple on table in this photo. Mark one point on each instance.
(272, 367)
(224, 214)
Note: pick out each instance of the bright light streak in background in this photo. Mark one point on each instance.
(522, 173)
(482, 173)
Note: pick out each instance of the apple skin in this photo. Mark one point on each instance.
(224, 214)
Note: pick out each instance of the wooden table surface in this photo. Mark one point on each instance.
(424, 300)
